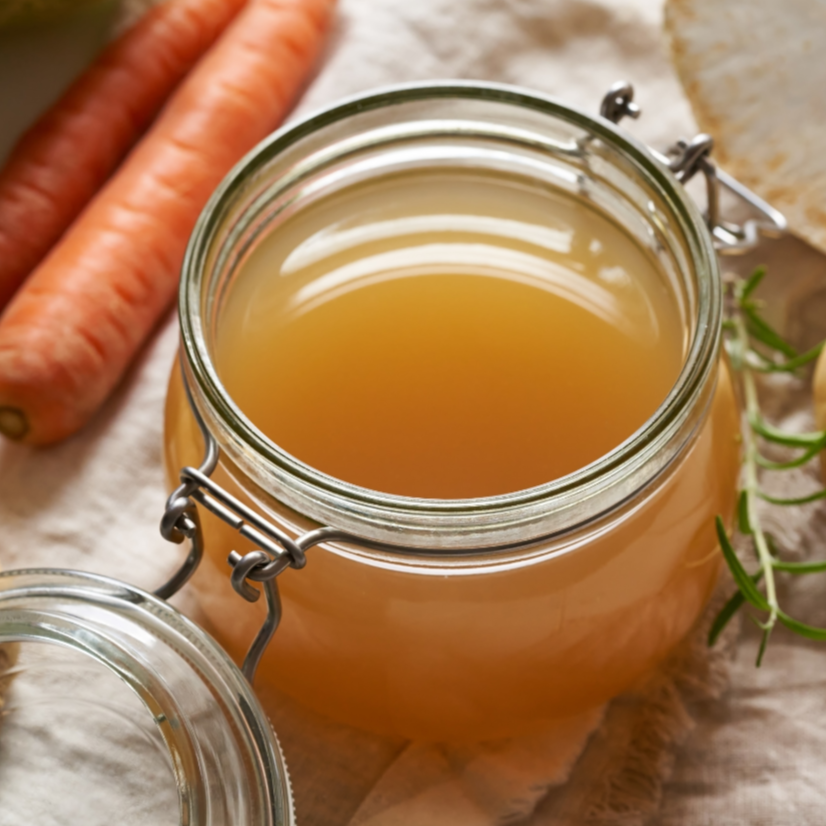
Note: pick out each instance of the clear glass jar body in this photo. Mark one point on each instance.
(515, 609)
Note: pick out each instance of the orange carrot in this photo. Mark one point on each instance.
(70, 332)
(62, 161)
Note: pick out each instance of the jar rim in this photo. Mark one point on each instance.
(174, 667)
(700, 360)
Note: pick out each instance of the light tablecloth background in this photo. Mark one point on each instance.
(676, 752)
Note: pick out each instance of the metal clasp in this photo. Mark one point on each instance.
(685, 159)
(180, 521)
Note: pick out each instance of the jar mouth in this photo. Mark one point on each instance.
(232, 221)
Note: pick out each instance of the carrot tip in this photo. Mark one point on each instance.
(13, 423)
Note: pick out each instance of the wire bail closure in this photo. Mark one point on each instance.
(180, 521)
(685, 159)
(277, 550)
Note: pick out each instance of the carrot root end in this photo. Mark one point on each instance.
(13, 423)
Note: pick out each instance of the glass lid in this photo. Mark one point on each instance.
(116, 708)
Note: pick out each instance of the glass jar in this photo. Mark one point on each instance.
(472, 618)
(120, 709)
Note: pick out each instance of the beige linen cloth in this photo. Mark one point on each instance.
(682, 749)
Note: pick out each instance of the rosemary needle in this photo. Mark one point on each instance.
(754, 346)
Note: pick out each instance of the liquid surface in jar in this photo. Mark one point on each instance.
(449, 336)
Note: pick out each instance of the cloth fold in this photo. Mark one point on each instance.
(475, 785)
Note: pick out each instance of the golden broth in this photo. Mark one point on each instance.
(450, 340)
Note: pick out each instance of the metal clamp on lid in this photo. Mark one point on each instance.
(180, 521)
(278, 551)
(685, 159)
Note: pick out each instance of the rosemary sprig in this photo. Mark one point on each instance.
(754, 346)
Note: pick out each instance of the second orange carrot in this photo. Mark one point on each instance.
(70, 332)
